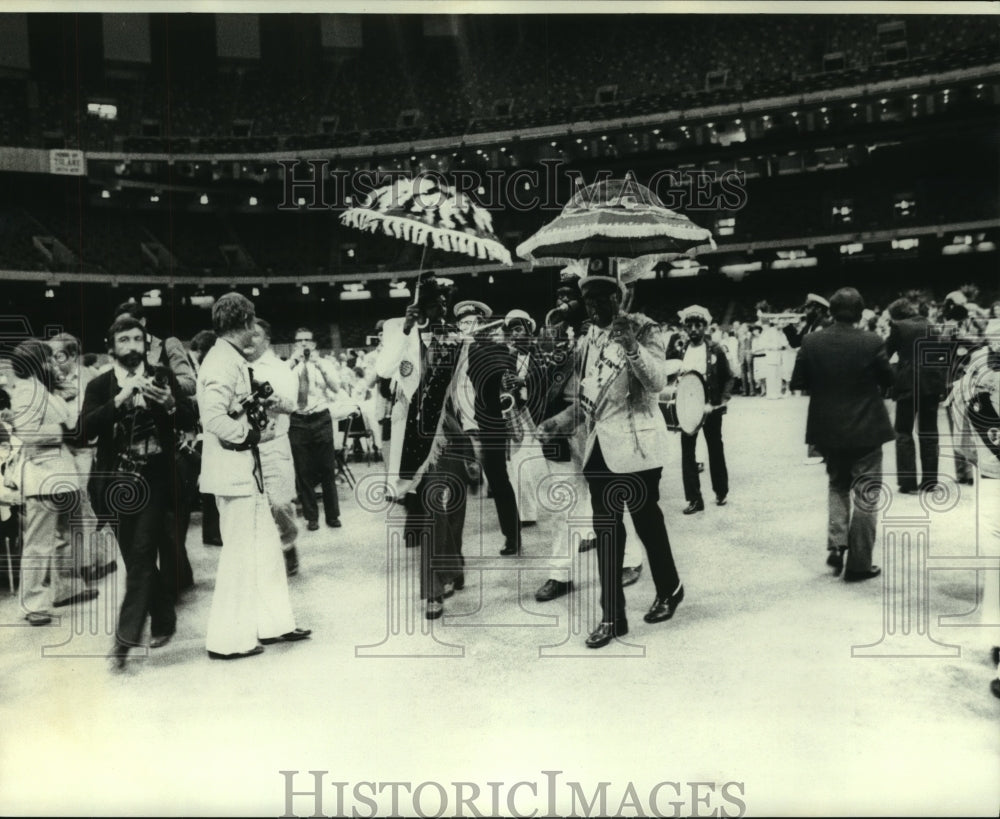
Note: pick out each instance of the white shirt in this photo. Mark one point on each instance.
(696, 358)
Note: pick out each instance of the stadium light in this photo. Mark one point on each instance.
(152, 298)
(253, 201)
(50, 293)
(355, 291)
(305, 290)
(399, 290)
(908, 243)
(105, 194)
(204, 199)
(255, 291)
(851, 249)
(154, 198)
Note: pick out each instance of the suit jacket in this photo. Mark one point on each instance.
(912, 341)
(97, 420)
(171, 353)
(47, 467)
(844, 369)
(627, 421)
(718, 373)
(224, 379)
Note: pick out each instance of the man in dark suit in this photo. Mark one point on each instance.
(708, 358)
(918, 391)
(133, 410)
(844, 369)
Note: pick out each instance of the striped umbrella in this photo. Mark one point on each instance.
(616, 218)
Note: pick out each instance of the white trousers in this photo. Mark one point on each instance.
(251, 590)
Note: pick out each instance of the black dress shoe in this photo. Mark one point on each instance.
(212, 541)
(528, 523)
(288, 637)
(720, 500)
(553, 589)
(630, 575)
(995, 655)
(694, 506)
(312, 525)
(92, 574)
(835, 560)
(854, 577)
(588, 544)
(459, 582)
(80, 597)
(664, 609)
(605, 633)
(334, 524)
(995, 687)
(510, 548)
(160, 641)
(908, 489)
(118, 656)
(434, 609)
(253, 652)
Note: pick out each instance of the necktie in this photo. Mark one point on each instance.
(304, 385)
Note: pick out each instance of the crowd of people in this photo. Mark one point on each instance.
(454, 399)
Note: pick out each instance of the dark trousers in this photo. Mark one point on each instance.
(716, 460)
(175, 567)
(494, 454)
(854, 490)
(311, 437)
(607, 491)
(925, 408)
(435, 518)
(141, 534)
(210, 530)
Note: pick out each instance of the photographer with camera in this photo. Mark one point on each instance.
(133, 410)
(169, 354)
(311, 431)
(251, 590)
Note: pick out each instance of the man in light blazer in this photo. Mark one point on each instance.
(251, 591)
(845, 369)
(620, 370)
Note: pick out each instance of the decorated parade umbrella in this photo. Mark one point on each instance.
(424, 211)
(616, 218)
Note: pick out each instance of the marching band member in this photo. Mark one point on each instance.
(427, 467)
(526, 463)
(621, 368)
(710, 360)
(975, 401)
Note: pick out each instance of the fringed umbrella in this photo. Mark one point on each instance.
(616, 218)
(426, 212)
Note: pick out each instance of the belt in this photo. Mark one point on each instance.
(309, 416)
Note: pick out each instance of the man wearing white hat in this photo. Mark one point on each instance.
(709, 359)
(620, 367)
(526, 464)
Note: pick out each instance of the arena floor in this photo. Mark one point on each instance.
(750, 701)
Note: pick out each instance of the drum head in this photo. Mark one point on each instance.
(690, 402)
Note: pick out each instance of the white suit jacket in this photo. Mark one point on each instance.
(628, 421)
(222, 381)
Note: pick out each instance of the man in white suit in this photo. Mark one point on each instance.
(251, 590)
(620, 370)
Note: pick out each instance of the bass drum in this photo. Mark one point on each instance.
(668, 406)
(690, 402)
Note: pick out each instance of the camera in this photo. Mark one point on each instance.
(161, 378)
(253, 404)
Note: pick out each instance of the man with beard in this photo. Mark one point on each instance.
(621, 369)
(133, 412)
(174, 563)
(709, 360)
(250, 602)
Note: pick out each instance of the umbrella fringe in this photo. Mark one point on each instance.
(549, 236)
(415, 232)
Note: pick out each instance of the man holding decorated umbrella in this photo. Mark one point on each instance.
(620, 370)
